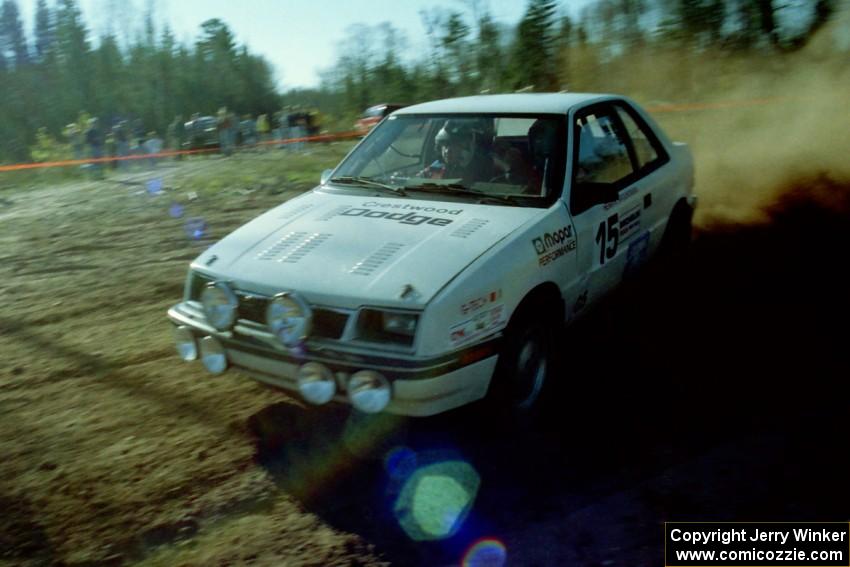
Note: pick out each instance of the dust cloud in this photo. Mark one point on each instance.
(783, 126)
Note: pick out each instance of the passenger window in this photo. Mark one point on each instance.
(603, 155)
(643, 144)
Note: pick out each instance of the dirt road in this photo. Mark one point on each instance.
(712, 393)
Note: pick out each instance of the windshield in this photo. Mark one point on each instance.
(513, 159)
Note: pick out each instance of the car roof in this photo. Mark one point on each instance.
(546, 103)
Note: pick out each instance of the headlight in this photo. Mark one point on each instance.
(220, 304)
(289, 318)
(316, 383)
(388, 327)
(400, 323)
(369, 391)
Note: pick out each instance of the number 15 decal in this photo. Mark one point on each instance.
(611, 235)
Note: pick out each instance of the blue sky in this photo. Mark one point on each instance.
(299, 38)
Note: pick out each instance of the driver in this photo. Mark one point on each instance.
(460, 154)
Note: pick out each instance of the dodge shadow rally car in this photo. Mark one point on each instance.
(430, 268)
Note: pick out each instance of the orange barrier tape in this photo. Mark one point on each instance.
(714, 105)
(65, 163)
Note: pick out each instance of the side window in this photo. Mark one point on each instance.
(645, 144)
(603, 152)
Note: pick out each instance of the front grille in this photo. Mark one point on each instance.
(253, 308)
(327, 324)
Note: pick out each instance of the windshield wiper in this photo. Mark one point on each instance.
(367, 182)
(458, 189)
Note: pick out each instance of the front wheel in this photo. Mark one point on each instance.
(524, 366)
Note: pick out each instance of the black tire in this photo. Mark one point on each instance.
(525, 363)
(676, 241)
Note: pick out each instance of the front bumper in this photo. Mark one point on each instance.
(420, 386)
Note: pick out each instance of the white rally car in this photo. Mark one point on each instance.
(431, 267)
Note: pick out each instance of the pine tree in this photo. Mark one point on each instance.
(455, 46)
(44, 30)
(12, 40)
(533, 62)
(489, 55)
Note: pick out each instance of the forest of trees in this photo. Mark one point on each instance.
(657, 49)
(49, 77)
(646, 48)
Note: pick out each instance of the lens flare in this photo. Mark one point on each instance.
(154, 186)
(436, 500)
(195, 228)
(400, 463)
(488, 552)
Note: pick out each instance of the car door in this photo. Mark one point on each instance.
(610, 200)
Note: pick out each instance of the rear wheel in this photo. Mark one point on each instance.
(677, 236)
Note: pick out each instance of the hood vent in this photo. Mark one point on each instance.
(305, 247)
(281, 245)
(465, 230)
(376, 259)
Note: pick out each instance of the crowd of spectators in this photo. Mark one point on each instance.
(124, 143)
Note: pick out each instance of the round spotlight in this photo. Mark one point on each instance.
(212, 355)
(289, 318)
(220, 305)
(316, 383)
(184, 340)
(369, 391)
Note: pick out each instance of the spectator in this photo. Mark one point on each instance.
(248, 131)
(177, 135)
(279, 127)
(138, 132)
(74, 135)
(94, 139)
(263, 127)
(225, 127)
(122, 144)
(153, 146)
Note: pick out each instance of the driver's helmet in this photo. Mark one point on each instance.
(456, 142)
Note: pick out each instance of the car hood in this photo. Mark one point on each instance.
(349, 251)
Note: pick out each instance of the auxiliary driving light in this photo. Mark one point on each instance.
(220, 305)
(369, 391)
(212, 355)
(184, 340)
(316, 383)
(289, 318)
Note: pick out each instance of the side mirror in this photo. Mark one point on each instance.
(326, 174)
